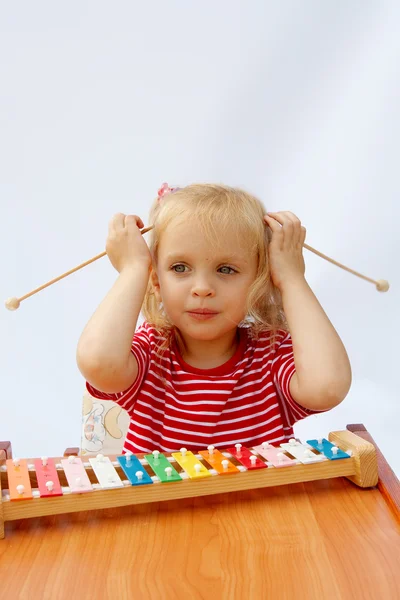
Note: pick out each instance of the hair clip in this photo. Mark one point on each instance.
(165, 190)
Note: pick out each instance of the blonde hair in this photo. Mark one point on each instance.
(219, 208)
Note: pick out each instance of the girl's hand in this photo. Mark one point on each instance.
(125, 245)
(286, 247)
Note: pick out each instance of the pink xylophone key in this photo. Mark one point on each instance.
(276, 456)
(76, 475)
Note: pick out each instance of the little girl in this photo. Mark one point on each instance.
(234, 347)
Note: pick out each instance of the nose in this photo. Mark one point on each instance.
(202, 288)
(203, 293)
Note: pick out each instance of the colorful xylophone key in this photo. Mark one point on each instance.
(276, 456)
(218, 461)
(18, 479)
(47, 477)
(302, 452)
(331, 451)
(105, 472)
(190, 464)
(134, 469)
(246, 457)
(162, 467)
(76, 475)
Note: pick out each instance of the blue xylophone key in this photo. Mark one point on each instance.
(328, 449)
(131, 467)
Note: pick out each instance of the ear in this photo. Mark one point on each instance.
(155, 283)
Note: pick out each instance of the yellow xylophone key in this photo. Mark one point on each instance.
(218, 461)
(190, 464)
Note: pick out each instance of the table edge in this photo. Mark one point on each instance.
(388, 483)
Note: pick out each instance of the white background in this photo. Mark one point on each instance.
(101, 102)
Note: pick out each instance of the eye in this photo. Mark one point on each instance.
(229, 268)
(179, 265)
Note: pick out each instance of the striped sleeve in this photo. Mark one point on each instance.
(141, 350)
(282, 370)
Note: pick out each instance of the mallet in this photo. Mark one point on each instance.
(13, 303)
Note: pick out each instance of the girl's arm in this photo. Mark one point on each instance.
(104, 354)
(323, 372)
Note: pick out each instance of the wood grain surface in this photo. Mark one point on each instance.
(325, 540)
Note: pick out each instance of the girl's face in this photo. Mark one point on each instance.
(190, 275)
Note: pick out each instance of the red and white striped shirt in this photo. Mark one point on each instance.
(246, 400)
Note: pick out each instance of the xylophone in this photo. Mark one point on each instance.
(48, 486)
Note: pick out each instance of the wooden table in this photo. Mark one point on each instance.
(327, 539)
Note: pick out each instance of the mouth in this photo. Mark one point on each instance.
(202, 314)
(202, 311)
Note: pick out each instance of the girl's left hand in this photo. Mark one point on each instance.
(286, 247)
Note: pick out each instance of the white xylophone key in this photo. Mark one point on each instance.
(106, 474)
(302, 452)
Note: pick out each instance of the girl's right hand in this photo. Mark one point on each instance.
(125, 245)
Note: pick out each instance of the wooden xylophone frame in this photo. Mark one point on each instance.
(361, 468)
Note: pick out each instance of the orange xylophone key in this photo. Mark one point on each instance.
(218, 461)
(19, 483)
